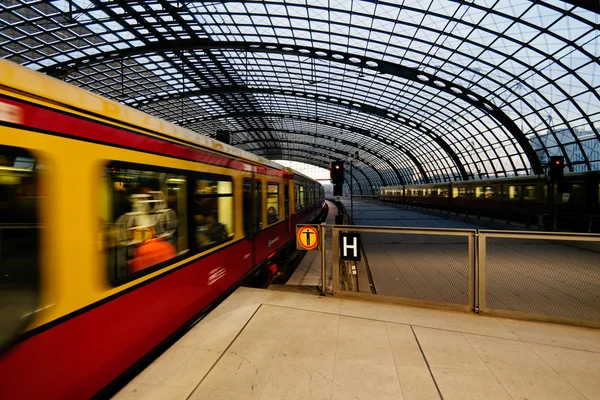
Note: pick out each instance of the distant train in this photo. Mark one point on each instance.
(118, 230)
(573, 204)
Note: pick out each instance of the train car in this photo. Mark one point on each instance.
(571, 204)
(118, 231)
(434, 195)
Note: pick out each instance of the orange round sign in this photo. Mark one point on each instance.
(308, 237)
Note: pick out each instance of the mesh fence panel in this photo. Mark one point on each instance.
(552, 277)
(424, 267)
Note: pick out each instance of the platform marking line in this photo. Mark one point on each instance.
(224, 351)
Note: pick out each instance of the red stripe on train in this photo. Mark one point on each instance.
(39, 118)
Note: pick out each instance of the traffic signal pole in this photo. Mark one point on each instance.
(351, 195)
(356, 157)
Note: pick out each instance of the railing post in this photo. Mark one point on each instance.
(335, 260)
(481, 273)
(473, 284)
(323, 229)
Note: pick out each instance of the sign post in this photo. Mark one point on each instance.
(312, 237)
(323, 229)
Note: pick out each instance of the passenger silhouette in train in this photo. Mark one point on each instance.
(215, 230)
(271, 214)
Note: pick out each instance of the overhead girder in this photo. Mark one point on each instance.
(342, 141)
(413, 74)
(275, 153)
(298, 93)
(318, 164)
(383, 181)
(322, 121)
(331, 149)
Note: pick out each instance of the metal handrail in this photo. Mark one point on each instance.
(477, 286)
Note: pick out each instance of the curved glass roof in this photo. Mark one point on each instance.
(425, 91)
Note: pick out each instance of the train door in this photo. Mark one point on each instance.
(286, 204)
(248, 210)
(252, 208)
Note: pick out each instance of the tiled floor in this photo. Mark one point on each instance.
(267, 345)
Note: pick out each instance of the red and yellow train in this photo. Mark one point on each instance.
(118, 230)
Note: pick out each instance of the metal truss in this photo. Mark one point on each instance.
(427, 91)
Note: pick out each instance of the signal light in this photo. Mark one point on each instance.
(336, 172)
(556, 170)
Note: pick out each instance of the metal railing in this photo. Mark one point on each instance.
(412, 266)
(541, 276)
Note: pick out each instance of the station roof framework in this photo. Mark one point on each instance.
(425, 91)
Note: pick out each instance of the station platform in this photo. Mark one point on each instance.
(263, 345)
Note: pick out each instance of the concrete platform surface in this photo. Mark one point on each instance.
(264, 345)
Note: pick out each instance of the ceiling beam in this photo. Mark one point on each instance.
(385, 67)
(318, 120)
(363, 148)
(279, 150)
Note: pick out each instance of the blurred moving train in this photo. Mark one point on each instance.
(572, 204)
(118, 230)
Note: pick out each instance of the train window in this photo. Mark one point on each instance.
(146, 217)
(484, 192)
(19, 241)
(272, 203)
(459, 192)
(529, 193)
(299, 190)
(213, 211)
(305, 197)
(576, 196)
(514, 192)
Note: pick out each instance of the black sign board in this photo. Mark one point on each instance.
(350, 246)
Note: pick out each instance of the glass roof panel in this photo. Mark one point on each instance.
(437, 90)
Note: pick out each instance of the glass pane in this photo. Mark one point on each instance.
(146, 218)
(19, 242)
(529, 193)
(213, 211)
(272, 203)
(301, 196)
(514, 193)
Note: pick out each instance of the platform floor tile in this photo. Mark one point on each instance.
(271, 345)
